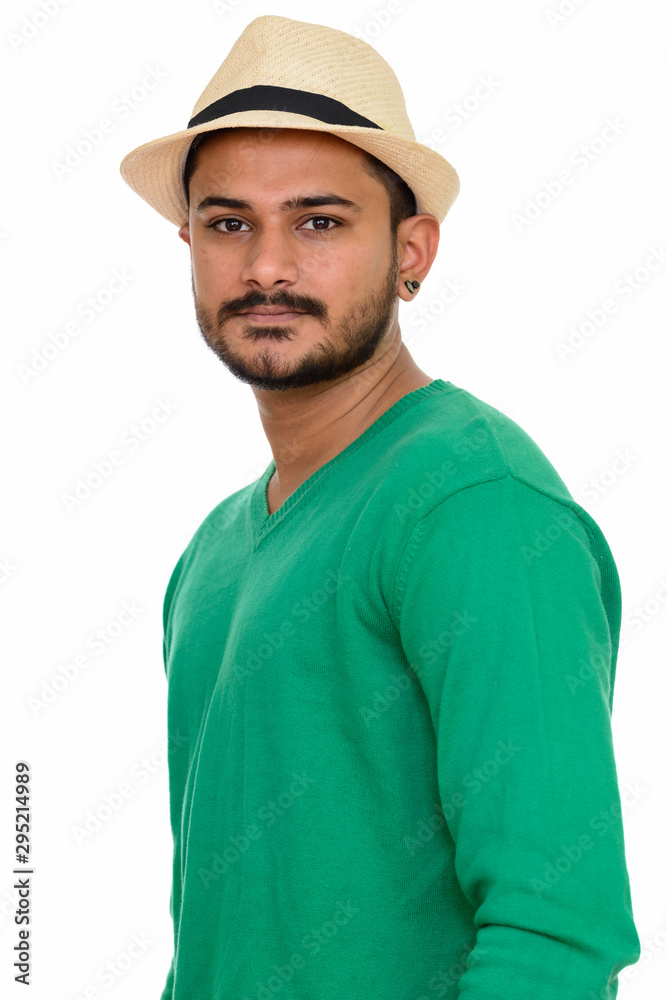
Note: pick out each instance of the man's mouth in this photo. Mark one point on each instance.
(270, 315)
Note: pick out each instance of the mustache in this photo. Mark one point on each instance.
(296, 303)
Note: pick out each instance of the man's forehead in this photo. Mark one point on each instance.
(269, 156)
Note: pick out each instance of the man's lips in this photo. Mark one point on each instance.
(270, 315)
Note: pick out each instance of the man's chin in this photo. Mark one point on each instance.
(265, 371)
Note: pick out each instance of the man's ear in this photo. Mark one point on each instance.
(184, 233)
(418, 238)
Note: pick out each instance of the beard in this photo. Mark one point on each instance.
(342, 349)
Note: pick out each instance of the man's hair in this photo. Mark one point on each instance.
(402, 202)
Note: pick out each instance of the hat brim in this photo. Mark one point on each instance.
(153, 170)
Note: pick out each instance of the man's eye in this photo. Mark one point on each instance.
(233, 224)
(320, 223)
(317, 219)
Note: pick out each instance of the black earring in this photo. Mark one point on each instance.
(412, 286)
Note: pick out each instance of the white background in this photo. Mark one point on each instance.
(597, 411)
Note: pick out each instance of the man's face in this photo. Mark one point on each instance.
(292, 286)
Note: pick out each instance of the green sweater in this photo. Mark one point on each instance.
(391, 766)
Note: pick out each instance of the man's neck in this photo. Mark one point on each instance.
(308, 427)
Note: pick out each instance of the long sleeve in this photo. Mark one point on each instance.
(507, 601)
(168, 991)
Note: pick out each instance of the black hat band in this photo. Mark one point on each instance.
(300, 102)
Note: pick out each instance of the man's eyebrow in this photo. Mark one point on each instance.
(292, 205)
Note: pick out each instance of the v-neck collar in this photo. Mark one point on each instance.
(262, 521)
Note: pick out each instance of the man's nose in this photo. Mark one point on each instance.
(271, 259)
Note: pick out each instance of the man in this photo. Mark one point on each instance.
(390, 659)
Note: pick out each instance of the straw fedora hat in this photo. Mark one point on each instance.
(282, 73)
